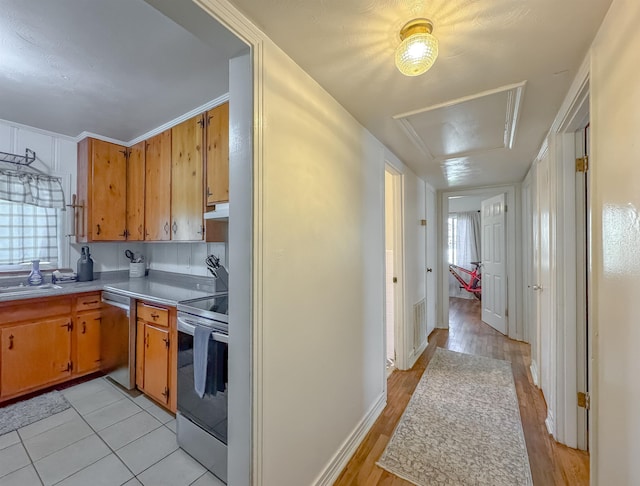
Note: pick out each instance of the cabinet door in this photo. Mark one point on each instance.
(88, 341)
(187, 194)
(108, 192)
(156, 363)
(35, 354)
(218, 155)
(157, 200)
(135, 192)
(141, 341)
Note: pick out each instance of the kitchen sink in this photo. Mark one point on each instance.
(28, 290)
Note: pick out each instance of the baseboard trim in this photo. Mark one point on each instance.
(534, 372)
(550, 423)
(351, 444)
(413, 357)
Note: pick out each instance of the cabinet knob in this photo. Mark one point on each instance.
(98, 230)
(11, 342)
(84, 327)
(155, 316)
(166, 227)
(175, 227)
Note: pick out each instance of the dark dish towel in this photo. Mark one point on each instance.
(217, 371)
(201, 337)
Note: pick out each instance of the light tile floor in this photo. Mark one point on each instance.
(106, 438)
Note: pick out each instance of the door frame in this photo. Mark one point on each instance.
(515, 329)
(399, 328)
(570, 421)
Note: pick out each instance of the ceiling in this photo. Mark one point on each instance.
(116, 68)
(466, 126)
(122, 68)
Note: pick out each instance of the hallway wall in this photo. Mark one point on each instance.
(615, 122)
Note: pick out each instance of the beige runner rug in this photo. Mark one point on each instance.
(461, 427)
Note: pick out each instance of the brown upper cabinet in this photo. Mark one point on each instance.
(157, 199)
(102, 188)
(217, 154)
(135, 191)
(187, 185)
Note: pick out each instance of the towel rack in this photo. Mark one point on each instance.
(21, 160)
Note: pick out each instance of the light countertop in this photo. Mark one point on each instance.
(159, 287)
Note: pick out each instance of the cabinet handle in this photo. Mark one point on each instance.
(155, 316)
(209, 193)
(98, 231)
(84, 327)
(146, 340)
(11, 342)
(175, 227)
(90, 302)
(166, 227)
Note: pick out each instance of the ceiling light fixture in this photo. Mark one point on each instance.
(418, 50)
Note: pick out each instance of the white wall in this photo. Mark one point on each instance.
(615, 207)
(465, 203)
(322, 236)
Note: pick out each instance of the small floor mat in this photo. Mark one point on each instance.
(19, 414)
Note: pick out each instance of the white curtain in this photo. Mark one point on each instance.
(465, 247)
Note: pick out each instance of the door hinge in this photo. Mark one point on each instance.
(69, 367)
(395, 279)
(582, 164)
(165, 394)
(584, 400)
(68, 325)
(166, 342)
(506, 208)
(506, 312)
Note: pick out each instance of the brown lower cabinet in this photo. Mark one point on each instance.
(48, 340)
(88, 332)
(35, 354)
(156, 354)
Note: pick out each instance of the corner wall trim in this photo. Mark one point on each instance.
(534, 372)
(351, 444)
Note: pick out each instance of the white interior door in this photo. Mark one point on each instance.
(494, 268)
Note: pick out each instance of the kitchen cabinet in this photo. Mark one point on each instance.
(102, 189)
(217, 154)
(49, 340)
(156, 358)
(187, 194)
(157, 200)
(136, 192)
(88, 323)
(88, 330)
(35, 354)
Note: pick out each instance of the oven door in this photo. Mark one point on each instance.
(210, 411)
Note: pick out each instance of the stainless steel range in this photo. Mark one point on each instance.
(203, 336)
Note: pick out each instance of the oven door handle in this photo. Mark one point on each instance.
(188, 326)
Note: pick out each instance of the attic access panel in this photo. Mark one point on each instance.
(466, 126)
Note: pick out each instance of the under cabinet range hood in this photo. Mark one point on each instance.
(221, 211)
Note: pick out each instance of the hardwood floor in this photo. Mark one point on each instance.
(551, 463)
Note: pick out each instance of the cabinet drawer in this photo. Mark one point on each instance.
(88, 302)
(156, 315)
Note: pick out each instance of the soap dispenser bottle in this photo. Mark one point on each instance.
(85, 266)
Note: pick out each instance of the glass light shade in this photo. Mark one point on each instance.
(416, 54)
